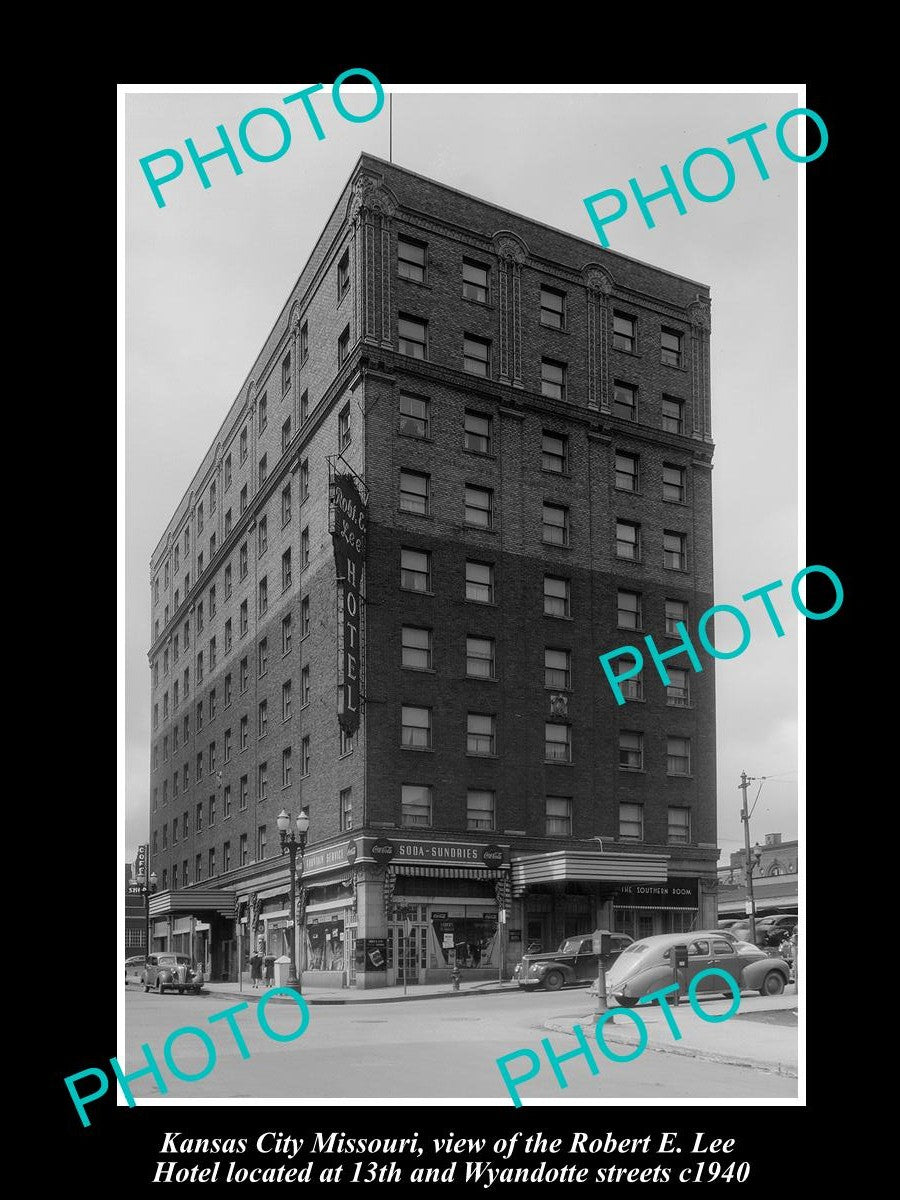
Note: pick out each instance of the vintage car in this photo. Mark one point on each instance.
(134, 968)
(575, 961)
(647, 965)
(172, 972)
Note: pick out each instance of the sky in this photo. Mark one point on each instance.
(203, 280)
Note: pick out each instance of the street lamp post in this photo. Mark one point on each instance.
(757, 855)
(147, 891)
(294, 843)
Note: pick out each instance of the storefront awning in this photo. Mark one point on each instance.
(192, 901)
(446, 872)
(597, 866)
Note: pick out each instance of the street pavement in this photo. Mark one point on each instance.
(448, 1047)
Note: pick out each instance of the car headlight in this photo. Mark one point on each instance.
(538, 968)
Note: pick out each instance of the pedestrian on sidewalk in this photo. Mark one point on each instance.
(269, 964)
(256, 963)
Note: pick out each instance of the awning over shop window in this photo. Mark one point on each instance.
(192, 901)
(446, 872)
(561, 866)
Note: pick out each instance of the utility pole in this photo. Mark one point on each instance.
(745, 817)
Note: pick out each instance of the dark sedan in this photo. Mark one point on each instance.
(173, 973)
(575, 961)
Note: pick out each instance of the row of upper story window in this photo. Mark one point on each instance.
(416, 811)
(477, 359)
(162, 578)
(262, 666)
(476, 284)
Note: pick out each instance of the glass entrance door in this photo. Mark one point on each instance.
(408, 951)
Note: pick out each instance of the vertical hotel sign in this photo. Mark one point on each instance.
(348, 531)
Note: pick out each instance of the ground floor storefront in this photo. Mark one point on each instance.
(377, 911)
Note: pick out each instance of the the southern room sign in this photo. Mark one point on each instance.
(348, 531)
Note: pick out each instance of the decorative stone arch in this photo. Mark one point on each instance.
(512, 254)
(599, 285)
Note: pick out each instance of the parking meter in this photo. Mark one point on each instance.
(605, 945)
(679, 967)
(605, 949)
(681, 957)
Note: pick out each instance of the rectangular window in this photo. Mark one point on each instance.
(286, 633)
(553, 379)
(263, 403)
(670, 347)
(286, 699)
(199, 672)
(475, 281)
(245, 674)
(476, 356)
(262, 718)
(479, 507)
(244, 794)
(553, 308)
(304, 686)
(415, 570)
(557, 596)
(198, 868)
(557, 742)
(304, 757)
(674, 550)
(243, 562)
(678, 689)
(624, 332)
(673, 483)
(412, 336)
(676, 610)
(557, 669)
(345, 743)
(263, 657)
(481, 733)
(414, 415)
(227, 750)
(479, 810)
(555, 525)
(479, 582)
(212, 507)
(286, 372)
(285, 504)
(199, 521)
(346, 809)
(304, 481)
(262, 781)
(286, 570)
(228, 584)
(227, 470)
(678, 752)
(631, 750)
(304, 342)
(679, 826)
(285, 434)
(628, 540)
(343, 275)
(228, 686)
(672, 415)
(629, 610)
(243, 500)
(411, 260)
(263, 469)
(480, 657)
(627, 472)
(243, 851)
(226, 802)
(414, 493)
(344, 435)
(558, 814)
(554, 452)
(212, 704)
(415, 648)
(263, 604)
(199, 616)
(415, 804)
(632, 688)
(304, 617)
(304, 548)
(242, 453)
(286, 767)
(477, 432)
(624, 401)
(304, 406)
(415, 732)
(243, 619)
(631, 822)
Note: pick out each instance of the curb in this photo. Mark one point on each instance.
(732, 1060)
(312, 1000)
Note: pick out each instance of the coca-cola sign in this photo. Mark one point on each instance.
(382, 851)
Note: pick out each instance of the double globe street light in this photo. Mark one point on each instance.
(146, 890)
(294, 844)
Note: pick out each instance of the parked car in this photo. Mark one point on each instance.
(575, 961)
(646, 966)
(172, 972)
(770, 931)
(134, 969)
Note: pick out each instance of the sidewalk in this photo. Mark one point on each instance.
(737, 1042)
(317, 995)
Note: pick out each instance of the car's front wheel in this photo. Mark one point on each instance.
(553, 981)
(626, 1001)
(146, 984)
(773, 984)
(160, 986)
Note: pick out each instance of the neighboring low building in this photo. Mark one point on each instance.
(774, 879)
(135, 916)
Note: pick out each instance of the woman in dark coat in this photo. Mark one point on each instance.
(256, 968)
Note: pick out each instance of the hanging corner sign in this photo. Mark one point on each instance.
(348, 521)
